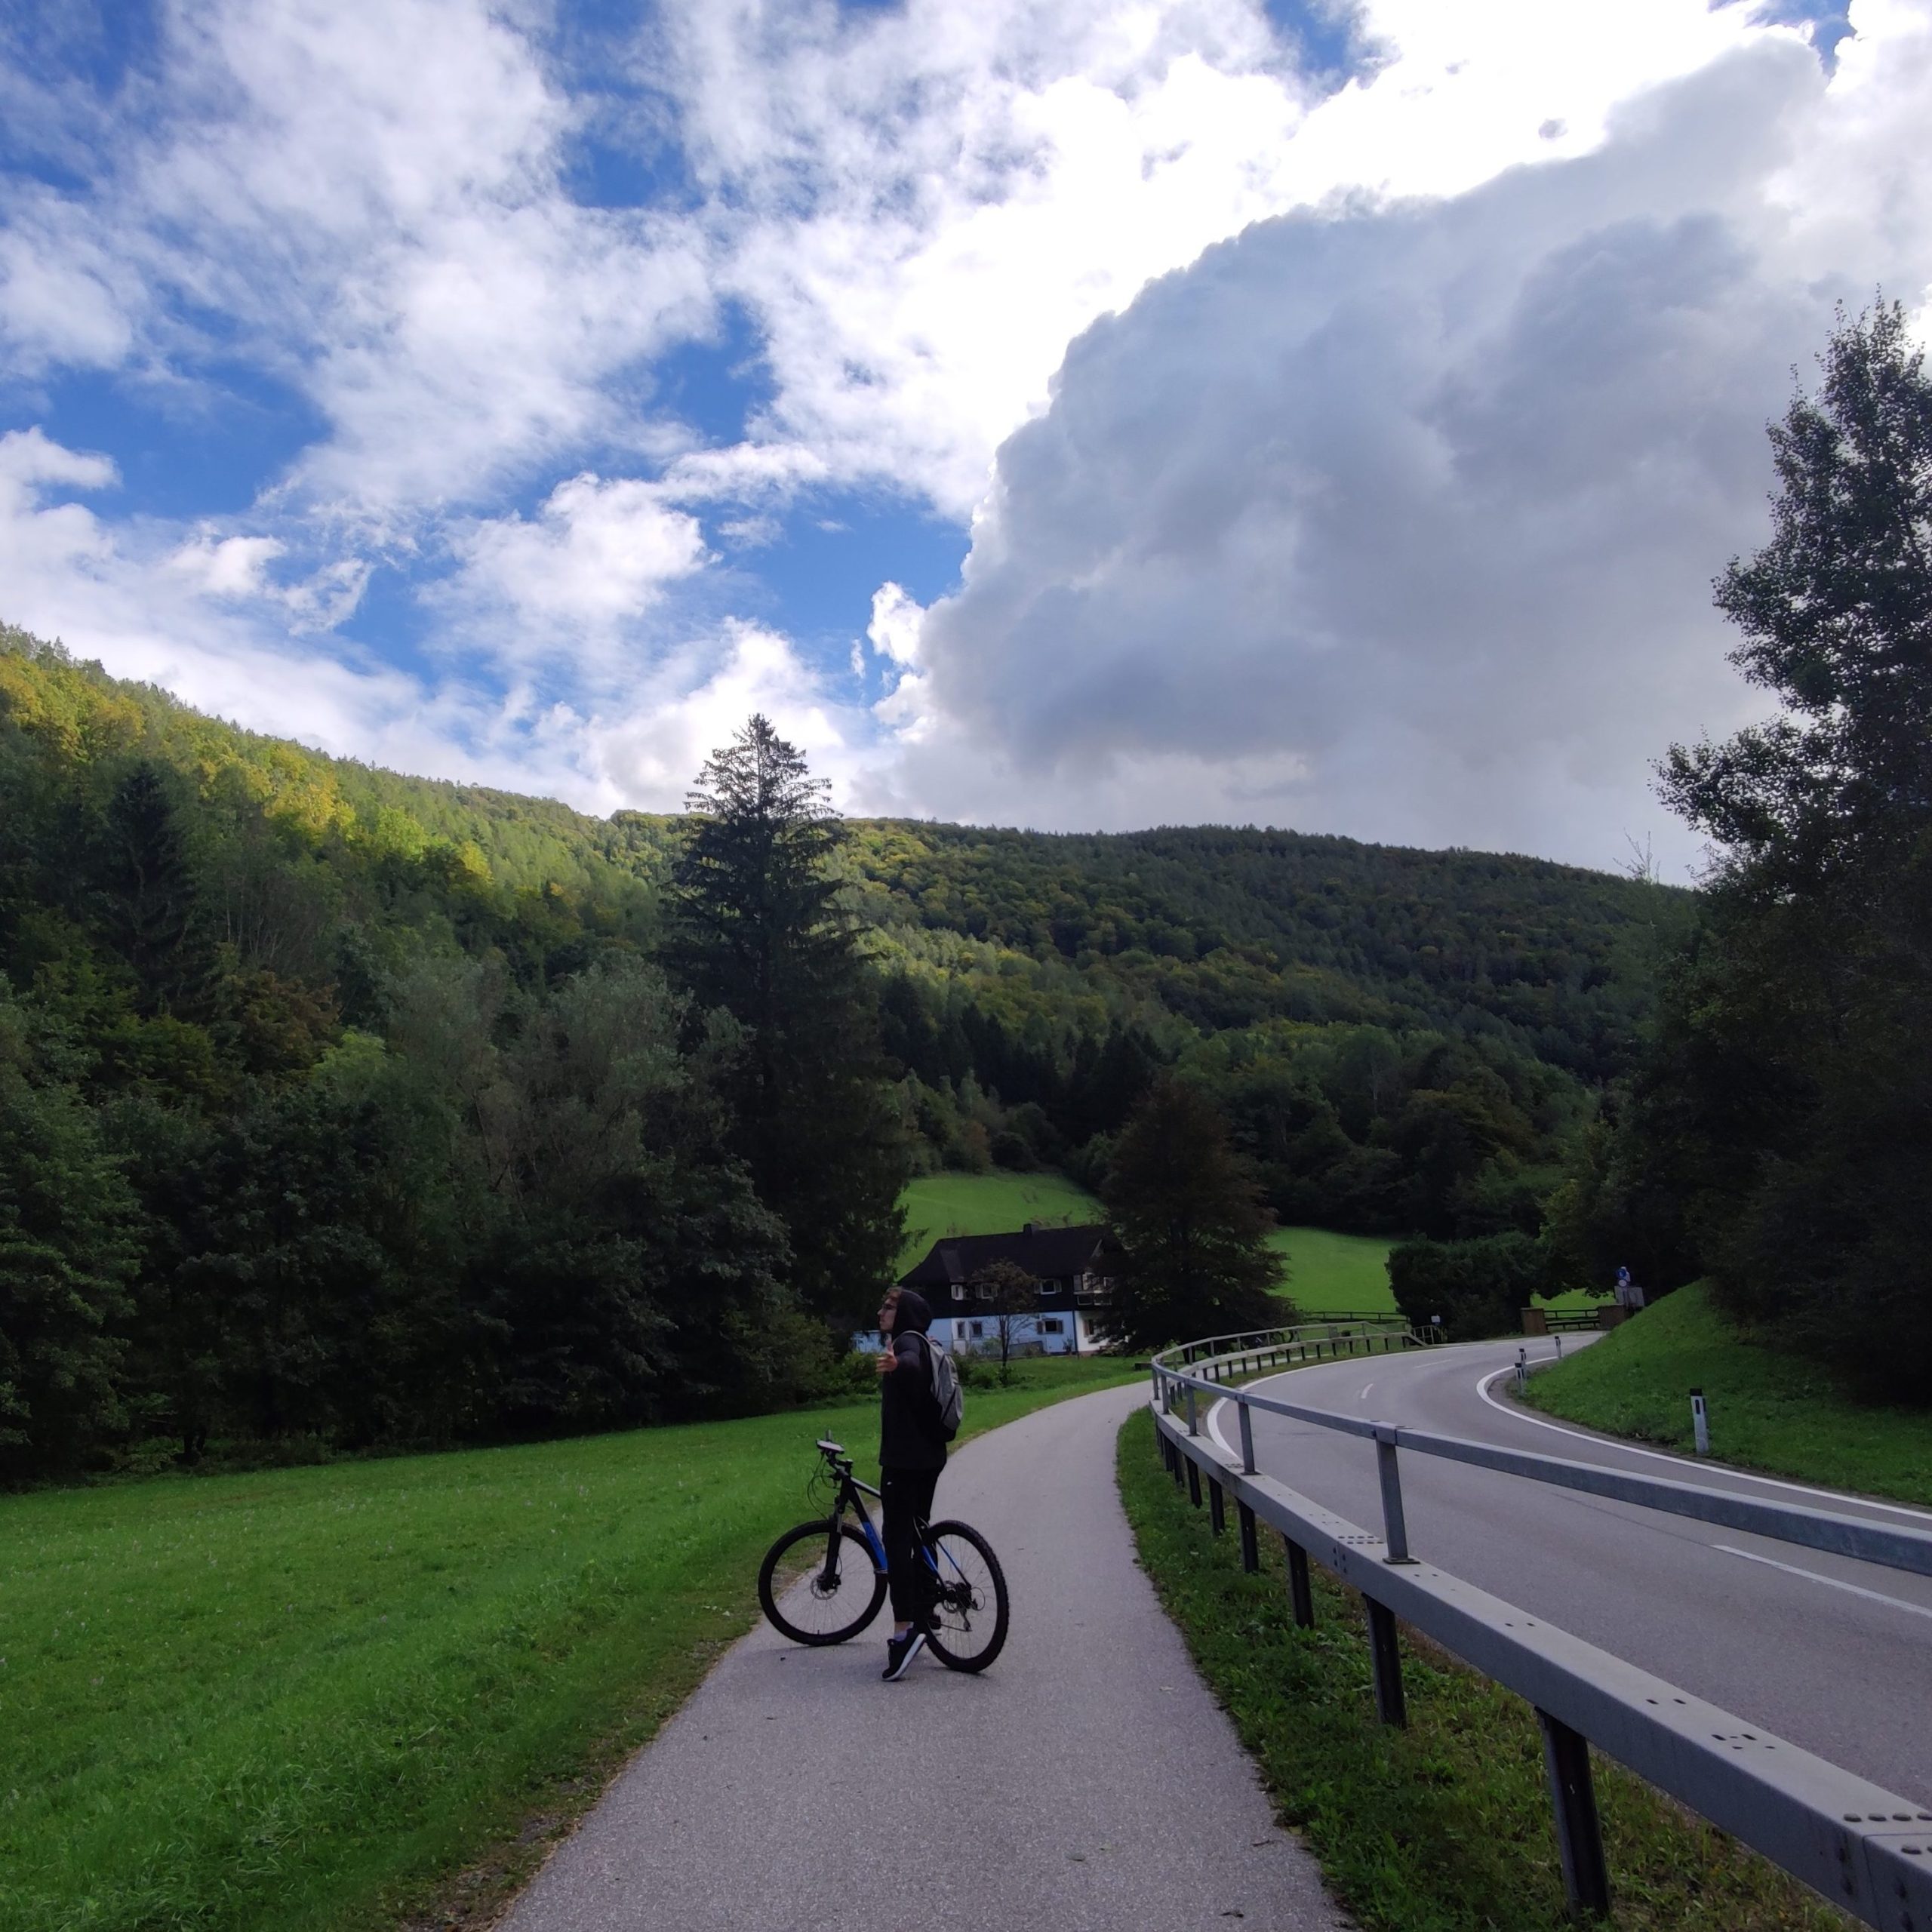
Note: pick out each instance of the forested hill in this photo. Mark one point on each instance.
(1178, 929)
(365, 1106)
(1224, 928)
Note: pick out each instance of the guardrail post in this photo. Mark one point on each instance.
(1394, 1530)
(1193, 1481)
(1566, 1756)
(1299, 1593)
(1175, 1459)
(1193, 1418)
(1391, 1706)
(1217, 1514)
(1247, 1440)
(1250, 1556)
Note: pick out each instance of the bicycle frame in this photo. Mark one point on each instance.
(852, 1494)
(850, 1489)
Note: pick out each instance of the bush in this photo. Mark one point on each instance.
(1475, 1287)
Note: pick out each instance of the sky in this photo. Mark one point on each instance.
(1079, 416)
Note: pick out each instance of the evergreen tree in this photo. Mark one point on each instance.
(148, 893)
(760, 933)
(1189, 1225)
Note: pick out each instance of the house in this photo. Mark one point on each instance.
(1070, 1265)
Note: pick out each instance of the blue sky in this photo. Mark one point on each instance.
(525, 391)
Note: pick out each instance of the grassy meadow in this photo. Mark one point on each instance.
(1330, 1271)
(1347, 1273)
(338, 1696)
(937, 1205)
(1777, 1413)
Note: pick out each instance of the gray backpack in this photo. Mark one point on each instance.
(946, 1390)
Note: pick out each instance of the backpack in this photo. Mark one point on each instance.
(946, 1390)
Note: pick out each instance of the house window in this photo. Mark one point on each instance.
(959, 1291)
(985, 1291)
(1049, 1325)
(972, 1328)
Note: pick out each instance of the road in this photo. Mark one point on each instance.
(1087, 1782)
(1830, 1653)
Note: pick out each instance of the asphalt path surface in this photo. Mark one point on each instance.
(1830, 1654)
(1087, 1782)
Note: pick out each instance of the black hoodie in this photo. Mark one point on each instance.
(909, 1432)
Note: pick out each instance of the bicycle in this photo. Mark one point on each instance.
(967, 1627)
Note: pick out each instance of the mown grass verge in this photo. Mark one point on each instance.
(370, 1694)
(1446, 1826)
(1768, 1411)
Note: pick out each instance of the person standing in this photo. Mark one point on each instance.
(912, 1452)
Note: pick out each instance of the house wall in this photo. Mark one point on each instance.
(1051, 1332)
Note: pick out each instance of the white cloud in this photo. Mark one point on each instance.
(1403, 521)
(1397, 516)
(227, 566)
(698, 698)
(599, 551)
(369, 194)
(920, 273)
(894, 629)
(62, 301)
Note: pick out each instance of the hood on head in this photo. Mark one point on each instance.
(913, 1314)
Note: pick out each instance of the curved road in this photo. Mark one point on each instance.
(1830, 1654)
(1087, 1782)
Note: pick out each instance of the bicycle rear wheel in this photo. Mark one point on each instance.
(836, 1598)
(970, 1603)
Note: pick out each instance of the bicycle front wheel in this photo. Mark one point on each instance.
(970, 1607)
(838, 1596)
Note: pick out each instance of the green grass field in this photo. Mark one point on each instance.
(937, 1205)
(1347, 1273)
(1772, 1412)
(308, 1698)
(1330, 1270)
(1445, 1826)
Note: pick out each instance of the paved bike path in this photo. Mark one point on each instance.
(1087, 1782)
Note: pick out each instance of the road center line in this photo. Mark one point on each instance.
(1685, 1462)
(1834, 1582)
(1365, 1387)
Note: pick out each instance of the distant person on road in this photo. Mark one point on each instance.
(912, 1452)
(1629, 1296)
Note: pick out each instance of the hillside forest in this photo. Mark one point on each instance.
(341, 1108)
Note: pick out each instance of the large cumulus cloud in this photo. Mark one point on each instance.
(1403, 521)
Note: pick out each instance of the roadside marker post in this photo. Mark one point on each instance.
(1700, 1423)
(1522, 1368)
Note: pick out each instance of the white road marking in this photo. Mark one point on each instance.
(1365, 1387)
(1836, 1583)
(1685, 1463)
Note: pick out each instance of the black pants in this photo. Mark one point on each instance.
(906, 1501)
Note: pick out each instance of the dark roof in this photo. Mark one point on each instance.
(1047, 1252)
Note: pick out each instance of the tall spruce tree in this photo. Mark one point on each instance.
(1189, 1224)
(760, 933)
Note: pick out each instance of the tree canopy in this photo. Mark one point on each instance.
(1189, 1226)
(1780, 1133)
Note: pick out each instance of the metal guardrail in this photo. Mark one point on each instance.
(1867, 1850)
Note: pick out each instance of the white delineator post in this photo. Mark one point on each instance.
(1700, 1423)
